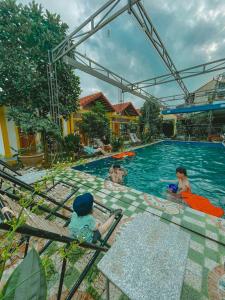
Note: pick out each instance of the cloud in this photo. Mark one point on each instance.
(193, 33)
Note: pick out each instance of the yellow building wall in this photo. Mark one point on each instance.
(114, 126)
(4, 132)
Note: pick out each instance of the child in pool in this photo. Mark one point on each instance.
(83, 225)
(183, 182)
(116, 174)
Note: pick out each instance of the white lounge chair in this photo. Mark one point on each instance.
(134, 138)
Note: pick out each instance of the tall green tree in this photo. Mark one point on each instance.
(150, 121)
(27, 32)
(95, 124)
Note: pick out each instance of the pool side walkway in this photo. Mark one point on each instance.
(204, 273)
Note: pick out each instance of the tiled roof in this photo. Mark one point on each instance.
(88, 100)
(138, 110)
(120, 108)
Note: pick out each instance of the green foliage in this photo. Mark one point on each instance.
(27, 32)
(150, 121)
(27, 281)
(133, 127)
(94, 294)
(92, 274)
(31, 122)
(72, 143)
(95, 123)
(49, 267)
(117, 143)
(146, 137)
(75, 253)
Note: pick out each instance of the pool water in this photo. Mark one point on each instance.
(205, 164)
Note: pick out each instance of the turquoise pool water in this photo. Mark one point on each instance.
(204, 162)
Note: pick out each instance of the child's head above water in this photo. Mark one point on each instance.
(116, 166)
(181, 172)
(83, 204)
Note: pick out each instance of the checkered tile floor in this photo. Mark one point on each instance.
(207, 247)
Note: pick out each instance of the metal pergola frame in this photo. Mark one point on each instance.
(66, 50)
(103, 16)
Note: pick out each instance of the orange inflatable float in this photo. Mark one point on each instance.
(202, 204)
(124, 154)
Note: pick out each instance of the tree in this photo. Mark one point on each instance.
(95, 123)
(26, 34)
(150, 121)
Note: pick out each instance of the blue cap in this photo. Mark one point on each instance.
(83, 204)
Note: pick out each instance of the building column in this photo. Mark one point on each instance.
(4, 134)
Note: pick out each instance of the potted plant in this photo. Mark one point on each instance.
(32, 124)
(32, 156)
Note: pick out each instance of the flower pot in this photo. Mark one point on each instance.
(32, 160)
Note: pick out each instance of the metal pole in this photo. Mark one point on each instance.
(107, 289)
(63, 270)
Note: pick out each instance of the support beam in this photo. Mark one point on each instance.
(191, 109)
(103, 16)
(212, 66)
(90, 67)
(147, 26)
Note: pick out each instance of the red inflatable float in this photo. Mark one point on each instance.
(202, 204)
(124, 154)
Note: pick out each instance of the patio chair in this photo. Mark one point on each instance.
(134, 138)
(30, 177)
(10, 183)
(93, 151)
(37, 226)
(100, 144)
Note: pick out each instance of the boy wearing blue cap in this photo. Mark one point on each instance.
(83, 225)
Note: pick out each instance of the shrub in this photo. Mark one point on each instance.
(117, 143)
(72, 144)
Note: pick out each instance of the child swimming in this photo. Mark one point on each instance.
(183, 184)
(83, 225)
(117, 174)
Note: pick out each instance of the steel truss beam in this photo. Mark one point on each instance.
(212, 66)
(196, 94)
(147, 26)
(107, 13)
(91, 67)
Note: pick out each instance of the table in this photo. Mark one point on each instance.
(148, 259)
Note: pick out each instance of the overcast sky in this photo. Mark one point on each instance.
(193, 32)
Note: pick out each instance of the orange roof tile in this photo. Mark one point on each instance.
(120, 108)
(88, 100)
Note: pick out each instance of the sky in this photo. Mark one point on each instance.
(193, 32)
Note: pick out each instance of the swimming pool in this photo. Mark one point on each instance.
(205, 163)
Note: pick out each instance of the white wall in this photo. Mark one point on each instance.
(12, 135)
(65, 129)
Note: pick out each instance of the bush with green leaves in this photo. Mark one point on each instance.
(150, 121)
(117, 143)
(95, 124)
(72, 144)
